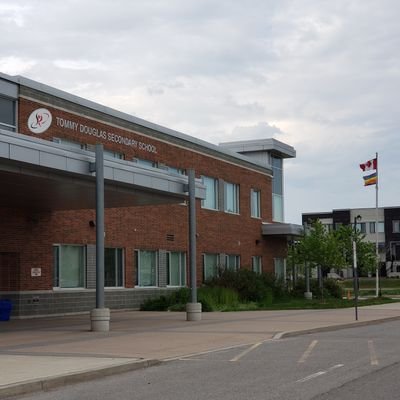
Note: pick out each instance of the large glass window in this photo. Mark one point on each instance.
(7, 114)
(381, 227)
(232, 262)
(210, 264)
(176, 267)
(113, 267)
(69, 266)
(211, 200)
(255, 203)
(256, 265)
(145, 163)
(280, 269)
(231, 198)
(146, 267)
(396, 226)
(277, 189)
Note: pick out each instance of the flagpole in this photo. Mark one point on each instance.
(377, 229)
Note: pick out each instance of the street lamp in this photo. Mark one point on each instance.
(355, 275)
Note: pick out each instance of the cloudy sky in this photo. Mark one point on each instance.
(320, 75)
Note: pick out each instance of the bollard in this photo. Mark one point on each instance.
(100, 319)
(193, 312)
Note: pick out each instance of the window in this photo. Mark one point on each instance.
(395, 251)
(177, 171)
(396, 226)
(145, 163)
(70, 143)
(7, 114)
(279, 266)
(176, 267)
(146, 267)
(256, 265)
(69, 266)
(255, 203)
(113, 268)
(361, 227)
(211, 200)
(210, 265)
(277, 189)
(231, 198)
(232, 262)
(113, 154)
(381, 227)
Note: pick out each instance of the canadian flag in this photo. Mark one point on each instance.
(369, 165)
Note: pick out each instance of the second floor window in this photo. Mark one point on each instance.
(255, 203)
(211, 200)
(231, 198)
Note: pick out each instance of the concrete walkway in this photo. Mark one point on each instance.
(39, 354)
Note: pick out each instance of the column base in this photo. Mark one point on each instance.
(100, 320)
(308, 295)
(193, 312)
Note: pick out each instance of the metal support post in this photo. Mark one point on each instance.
(100, 316)
(193, 309)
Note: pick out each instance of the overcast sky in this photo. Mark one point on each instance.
(322, 76)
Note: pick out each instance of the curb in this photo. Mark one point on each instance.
(286, 334)
(44, 384)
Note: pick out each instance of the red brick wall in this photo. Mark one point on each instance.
(32, 236)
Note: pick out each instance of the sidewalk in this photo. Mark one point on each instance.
(38, 354)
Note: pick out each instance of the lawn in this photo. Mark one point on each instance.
(369, 283)
(298, 304)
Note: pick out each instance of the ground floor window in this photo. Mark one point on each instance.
(256, 265)
(146, 267)
(232, 262)
(210, 265)
(176, 268)
(113, 267)
(69, 266)
(280, 268)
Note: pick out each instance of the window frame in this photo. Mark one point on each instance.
(235, 258)
(57, 266)
(204, 202)
(182, 268)
(137, 254)
(256, 266)
(119, 256)
(235, 200)
(255, 203)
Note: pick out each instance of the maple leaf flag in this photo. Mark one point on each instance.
(369, 165)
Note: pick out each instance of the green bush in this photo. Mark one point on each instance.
(249, 285)
(331, 288)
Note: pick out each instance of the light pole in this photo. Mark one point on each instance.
(355, 274)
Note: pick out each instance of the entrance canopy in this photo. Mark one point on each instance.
(41, 175)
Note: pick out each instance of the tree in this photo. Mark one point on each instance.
(318, 247)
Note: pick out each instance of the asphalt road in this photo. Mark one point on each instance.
(358, 363)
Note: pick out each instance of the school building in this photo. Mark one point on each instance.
(47, 203)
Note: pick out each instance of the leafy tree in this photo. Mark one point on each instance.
(318, 247)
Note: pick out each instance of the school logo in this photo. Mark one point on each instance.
(39, 121)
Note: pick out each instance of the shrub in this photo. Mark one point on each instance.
(249, 285)
(330, 288)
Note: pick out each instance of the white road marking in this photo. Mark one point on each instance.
(243, 353)
(319, 373)
(307, 353)
(372, 353)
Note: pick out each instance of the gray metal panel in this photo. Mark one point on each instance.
(91, 266)
(24, 154)
(281, 229)
(162, 268)
(8, 89)
(4, 150)
(53, 160)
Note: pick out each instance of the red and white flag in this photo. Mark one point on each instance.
(369, 165)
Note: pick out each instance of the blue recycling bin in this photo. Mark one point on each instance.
(5, 310)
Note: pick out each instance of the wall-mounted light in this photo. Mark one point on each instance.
(92, 224)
